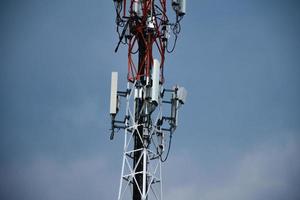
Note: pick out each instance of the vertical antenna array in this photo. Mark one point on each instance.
(143, 26)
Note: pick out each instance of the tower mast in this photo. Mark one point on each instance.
(146, 30)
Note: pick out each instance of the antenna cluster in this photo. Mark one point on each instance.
(143, 26)
(147, 29)
(153, 97)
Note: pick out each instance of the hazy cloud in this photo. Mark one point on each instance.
(239, 61)
(270, 171)
(58, 180)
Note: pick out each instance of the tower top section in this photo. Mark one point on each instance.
(144, 26)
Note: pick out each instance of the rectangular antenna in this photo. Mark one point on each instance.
(155, 82)
(181, 94)
(113, 93)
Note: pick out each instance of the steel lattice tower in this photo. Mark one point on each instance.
(143, 25)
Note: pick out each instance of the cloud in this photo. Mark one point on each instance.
(58, 180)
(270, 171)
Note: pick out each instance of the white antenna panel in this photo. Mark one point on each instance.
(181, 94)
(113, 93)
(155, 82)
(182, 7)
(137, 7)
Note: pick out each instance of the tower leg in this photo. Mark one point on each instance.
(141, 166)
(138, 134)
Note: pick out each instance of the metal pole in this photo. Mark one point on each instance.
(144, 191)
(138, 134)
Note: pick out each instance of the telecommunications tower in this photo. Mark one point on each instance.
(144, 26)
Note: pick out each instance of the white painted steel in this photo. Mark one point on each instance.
(144, 173)
(149, 156)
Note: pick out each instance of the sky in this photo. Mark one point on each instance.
(239, 131)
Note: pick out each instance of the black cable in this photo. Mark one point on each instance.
(122, 35)
(176, 28)
(179, 18)
(170, 142)
(134, 52)
(118, 8)
(119, 35)
(162, 12)
(174, 45)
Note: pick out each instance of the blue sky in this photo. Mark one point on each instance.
(238, 135)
